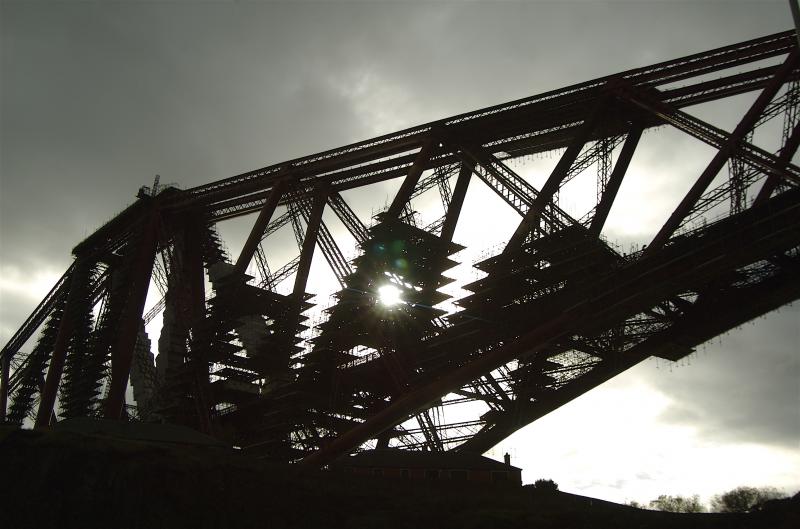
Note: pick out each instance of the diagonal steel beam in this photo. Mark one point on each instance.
(282, 273)
(59, 355)
(615, 180)
(348, 217)
(512, 188)
(122, 351)
(330, 250)
(757, 158)
(784, 158)
(309, 242)
(509, 186)
(612, 298)
(257, 232)
(724, 153)
(430, 431)
(401, 141)
(5, 367)
(410, 181)
(457, 201)
(532, 218)
(702, 322)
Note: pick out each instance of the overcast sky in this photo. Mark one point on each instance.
(98, 97)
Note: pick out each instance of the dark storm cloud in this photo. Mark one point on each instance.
(744, 387)
(97, 98)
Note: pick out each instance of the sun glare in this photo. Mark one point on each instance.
(389, 295)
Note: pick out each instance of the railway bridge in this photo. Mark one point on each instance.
(394, 361)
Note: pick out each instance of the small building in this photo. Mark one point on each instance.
(418, 465)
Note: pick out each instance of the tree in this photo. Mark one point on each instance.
(545, 485)
(677, 504)
(744, 499)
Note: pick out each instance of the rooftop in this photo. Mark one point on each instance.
(391, 457)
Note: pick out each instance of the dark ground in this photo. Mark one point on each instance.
(67, 479)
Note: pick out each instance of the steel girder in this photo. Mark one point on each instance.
(558, 312)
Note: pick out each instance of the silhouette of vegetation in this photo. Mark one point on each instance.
(668, 503)
(545, 485)
(744, 499)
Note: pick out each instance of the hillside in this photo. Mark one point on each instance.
(68, 479)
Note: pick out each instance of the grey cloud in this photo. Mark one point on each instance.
(744, 387)
(9, 313)
(97, 101)
(14, 308)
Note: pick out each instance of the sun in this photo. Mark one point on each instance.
(389, 295)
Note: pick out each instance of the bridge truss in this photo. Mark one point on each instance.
(555, 312)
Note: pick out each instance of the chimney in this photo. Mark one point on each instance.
(507, 459)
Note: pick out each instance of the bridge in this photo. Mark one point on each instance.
(553, 312)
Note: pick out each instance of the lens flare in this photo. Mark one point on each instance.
(389, 295)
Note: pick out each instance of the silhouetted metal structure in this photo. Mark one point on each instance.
(558, 312)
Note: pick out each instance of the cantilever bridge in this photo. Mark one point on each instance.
(556, 311)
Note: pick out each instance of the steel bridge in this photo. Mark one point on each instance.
(555, 312)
